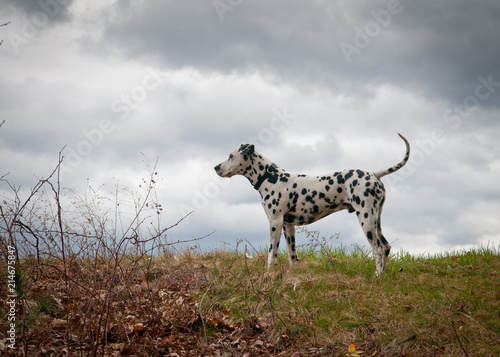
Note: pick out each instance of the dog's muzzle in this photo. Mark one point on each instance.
(217, 169)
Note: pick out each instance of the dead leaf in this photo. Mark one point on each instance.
(258, 344)
(130, 319)
(59, 324)
(139, 327)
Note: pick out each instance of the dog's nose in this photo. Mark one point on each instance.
(217, 168)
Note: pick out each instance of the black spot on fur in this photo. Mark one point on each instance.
(349, 174)
(284, 177)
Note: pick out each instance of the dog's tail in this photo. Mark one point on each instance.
(395, 168)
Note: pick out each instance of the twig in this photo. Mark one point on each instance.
(57, 193)
(262, 259)
(458, 338)
(1, 41)
(166, 229)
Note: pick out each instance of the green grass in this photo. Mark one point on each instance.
(429, 305)
(445, 304)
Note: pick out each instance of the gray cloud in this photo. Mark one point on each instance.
(430, 71)
(46, 11)
(436, 48)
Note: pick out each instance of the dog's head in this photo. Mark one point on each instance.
(237, 163)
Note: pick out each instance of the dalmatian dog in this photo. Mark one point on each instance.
(291, 200)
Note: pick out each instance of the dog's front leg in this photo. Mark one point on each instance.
(276, 226)
(290, 243)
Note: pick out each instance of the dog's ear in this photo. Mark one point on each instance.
(246, 149)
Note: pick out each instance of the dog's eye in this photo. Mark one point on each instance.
(230, 156)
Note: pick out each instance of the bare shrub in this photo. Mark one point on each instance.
(79, 255)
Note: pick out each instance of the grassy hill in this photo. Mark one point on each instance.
(91, 273)
(226, 303)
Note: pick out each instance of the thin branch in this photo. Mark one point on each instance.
(166, 229)
(458, 338)
(1, 41)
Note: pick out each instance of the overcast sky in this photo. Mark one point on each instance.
(317, 86)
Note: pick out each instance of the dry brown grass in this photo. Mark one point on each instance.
(85, 285)
(220, 302)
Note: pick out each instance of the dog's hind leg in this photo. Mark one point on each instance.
(386, 247)
(373, 232)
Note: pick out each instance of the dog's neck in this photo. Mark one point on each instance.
(262, 170)
(270, 174)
